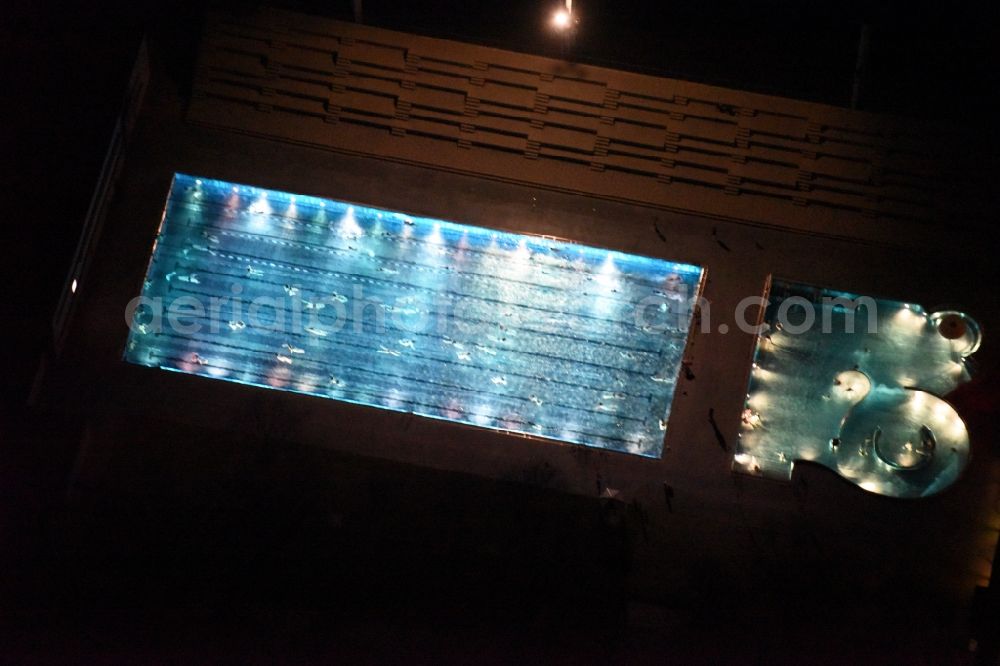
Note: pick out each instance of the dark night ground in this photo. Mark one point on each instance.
(264, 555)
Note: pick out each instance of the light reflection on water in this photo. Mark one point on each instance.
(450, 321)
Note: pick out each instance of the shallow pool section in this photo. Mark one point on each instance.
(518, 333)
(856, 384)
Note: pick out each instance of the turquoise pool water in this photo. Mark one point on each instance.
(861, 391)
(519, 333)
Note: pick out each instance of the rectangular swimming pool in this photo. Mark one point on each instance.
(519, 333)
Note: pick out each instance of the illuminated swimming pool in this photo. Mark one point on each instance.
(858, 390)
(512, 332)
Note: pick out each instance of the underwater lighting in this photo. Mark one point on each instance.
(444, 320)
(861, 400)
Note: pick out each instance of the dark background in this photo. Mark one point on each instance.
(65, 67)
